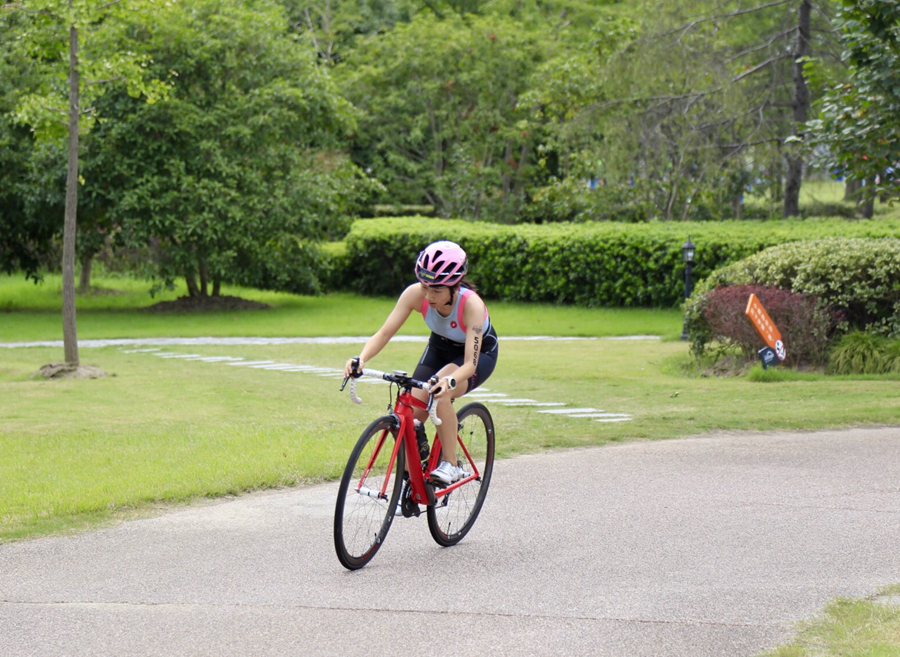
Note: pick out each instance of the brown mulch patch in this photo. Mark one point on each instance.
(66, 371)
(728, 366)
(206, 304)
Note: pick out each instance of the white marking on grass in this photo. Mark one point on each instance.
(599, 415)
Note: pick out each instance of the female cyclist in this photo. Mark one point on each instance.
(462, 349)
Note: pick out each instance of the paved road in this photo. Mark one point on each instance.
(707, 546)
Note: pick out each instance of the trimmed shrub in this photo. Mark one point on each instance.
(590, 264)
(805, 327)
(860, 278)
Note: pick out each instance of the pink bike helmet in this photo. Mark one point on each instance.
(442, 263)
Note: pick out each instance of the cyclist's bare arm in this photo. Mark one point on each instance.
(409, 301)
(473, 316)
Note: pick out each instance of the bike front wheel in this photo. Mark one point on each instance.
(453, 515)
(368, 494)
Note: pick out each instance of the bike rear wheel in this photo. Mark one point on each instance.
(368, 494)
(451, 518)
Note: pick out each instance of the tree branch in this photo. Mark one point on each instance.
(761, 65)
(765, 45)
(712, 17)
(40, 12)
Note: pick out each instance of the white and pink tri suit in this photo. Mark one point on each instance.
(447, 343)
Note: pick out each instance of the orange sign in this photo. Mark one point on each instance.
(765, 326)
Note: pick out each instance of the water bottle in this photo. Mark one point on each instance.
(422, 440)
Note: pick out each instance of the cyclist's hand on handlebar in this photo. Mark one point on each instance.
(353, 367)
(439, 389)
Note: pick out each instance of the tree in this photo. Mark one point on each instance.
(441, 122)
(333, 26)
(714, 102)
(26, 228)
(54, 39)
(239, 160)
(857, 122)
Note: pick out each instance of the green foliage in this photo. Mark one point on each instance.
(699, 106)
(859, 277)
(597, 264)
(439, 118)
(26, 227)
(856, 127)
(227, 172)
(859, 353)
(572, 199)
(104, 60)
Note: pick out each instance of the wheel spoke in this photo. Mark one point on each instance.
(455, 513)
(367, 494)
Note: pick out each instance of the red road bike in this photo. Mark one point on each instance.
(387, 474)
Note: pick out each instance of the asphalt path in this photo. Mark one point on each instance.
(708, 546)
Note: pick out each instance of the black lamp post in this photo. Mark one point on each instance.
(687, 251)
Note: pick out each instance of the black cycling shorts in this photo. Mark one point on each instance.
(441, 351)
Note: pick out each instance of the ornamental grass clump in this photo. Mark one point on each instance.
(865, 353)
(858, 353)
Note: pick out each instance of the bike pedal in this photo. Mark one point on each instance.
(409, 508)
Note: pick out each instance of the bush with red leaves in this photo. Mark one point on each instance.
(804, 325)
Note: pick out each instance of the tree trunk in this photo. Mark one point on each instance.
(84, 279)
(193, 290)
(775, 177)
(851, 190)
(801, 109)
(70, 333)
(868, 200)
(736, 206)
(217, 286)
(204, 280)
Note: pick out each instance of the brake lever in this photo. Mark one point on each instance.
(352, 372)
(432, 411)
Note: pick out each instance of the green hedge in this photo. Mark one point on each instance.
(595, 264)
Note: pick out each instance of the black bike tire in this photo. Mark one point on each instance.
(355, 558)
(442, 537)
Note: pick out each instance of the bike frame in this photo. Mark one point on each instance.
(422, 489)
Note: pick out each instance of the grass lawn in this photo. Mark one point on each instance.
(818, 197)
(864, 628)
(117, 308)
(162, 430)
